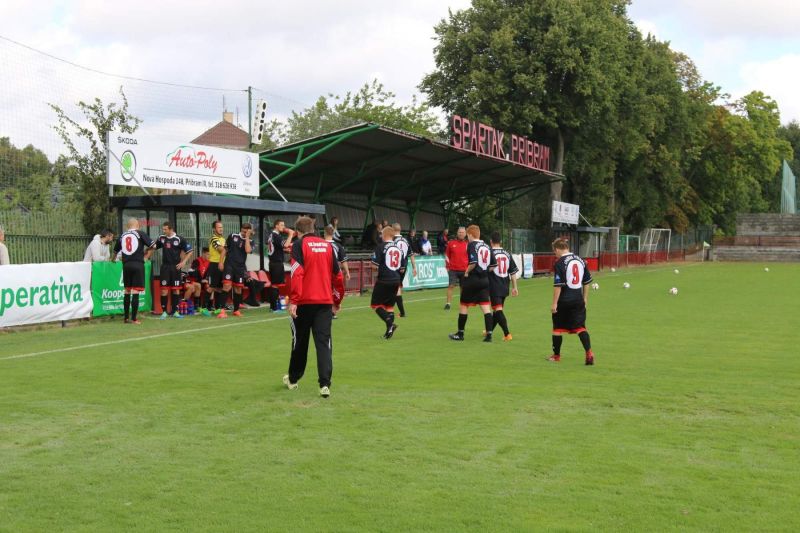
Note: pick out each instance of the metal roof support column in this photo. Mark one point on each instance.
(415, 211)
(371, 202)
(319, 187)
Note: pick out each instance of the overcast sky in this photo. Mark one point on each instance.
(297, 50)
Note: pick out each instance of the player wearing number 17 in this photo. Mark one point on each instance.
(475, 285)
(571, 281)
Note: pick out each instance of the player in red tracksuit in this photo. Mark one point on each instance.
(317, 287)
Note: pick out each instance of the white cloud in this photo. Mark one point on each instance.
(719, 18)
(778, 78)
(647, 27)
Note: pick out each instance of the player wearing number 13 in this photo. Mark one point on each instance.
(388, 257)
(571, 279)
(475, 285)
(135, 247)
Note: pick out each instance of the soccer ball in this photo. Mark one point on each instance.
(766, 269)
(613, 269)
(595, 286)
(626, 285)
(677, 271)
(673, 291)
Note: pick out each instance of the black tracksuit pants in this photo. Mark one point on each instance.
(310, 319)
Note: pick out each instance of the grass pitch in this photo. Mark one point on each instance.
(690, 419)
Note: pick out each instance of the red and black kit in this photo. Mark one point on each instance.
(475, 286)
(170, 276)
(500, 276)
(133, 244)
(388, 257)
(236, 259)
(571, 274)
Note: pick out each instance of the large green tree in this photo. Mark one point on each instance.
(26, 178)
(371, 103)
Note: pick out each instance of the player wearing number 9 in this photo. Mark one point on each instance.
(571, 280)
(388, 258)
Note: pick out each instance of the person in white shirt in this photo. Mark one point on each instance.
(425, 244)
(98, 249)
(4, 260)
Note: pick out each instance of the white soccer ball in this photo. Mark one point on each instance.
(626, 285)
(677, 271)
(766, 269)
(613, 269)
(595, 286)
(673, 291)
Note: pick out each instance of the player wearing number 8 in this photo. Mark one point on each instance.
(475, 286)
(571, 280)
(388, 257)
(135, 247)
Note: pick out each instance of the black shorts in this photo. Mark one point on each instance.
(384, 296)
(214, 276)
(475, 291)
(277, 273)
(235, 275)
(455, 277)
(497, 301)
(133, 276)
(170, 278)
(570, 318)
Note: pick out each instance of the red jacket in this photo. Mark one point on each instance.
(456, 255)
(316, 277)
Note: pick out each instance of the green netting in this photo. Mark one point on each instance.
(788, 191)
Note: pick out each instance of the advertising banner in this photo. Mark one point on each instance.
(108, 292)
(45, 292)
(527, 265)
(431, 273)
(565, 213)
(136, 160)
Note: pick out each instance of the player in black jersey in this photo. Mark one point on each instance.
(340, 253)
(405, 247)
(500, 277)
(388, 257)
(237, 247)
(276, 245)
(571, 279)
(135, 247)
(176, 251)
(475, 285)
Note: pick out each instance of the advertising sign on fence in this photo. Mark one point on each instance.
(527, 265)
(137, 160)
(45, 292)
(431, 274)
(108, 292)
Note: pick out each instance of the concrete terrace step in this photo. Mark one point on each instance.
(756, 253)
(767, 224)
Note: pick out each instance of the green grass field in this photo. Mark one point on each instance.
(690, 419)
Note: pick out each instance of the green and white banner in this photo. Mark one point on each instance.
(108, 292)
(45, 292)
(431, 273)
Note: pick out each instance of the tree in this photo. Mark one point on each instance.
(371, 103)
(85, 141)
(26, 178)
(791, 133)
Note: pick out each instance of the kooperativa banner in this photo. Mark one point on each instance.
(46, 292)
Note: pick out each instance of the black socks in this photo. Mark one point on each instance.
(126, 305)
(557, 340)
(488, 323)
(462, 322)
(134, 305)
(500, 319)
(584, 337)
(237, 300)
(400, 305)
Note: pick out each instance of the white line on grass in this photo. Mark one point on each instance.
(244, 323)
(181, 332)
